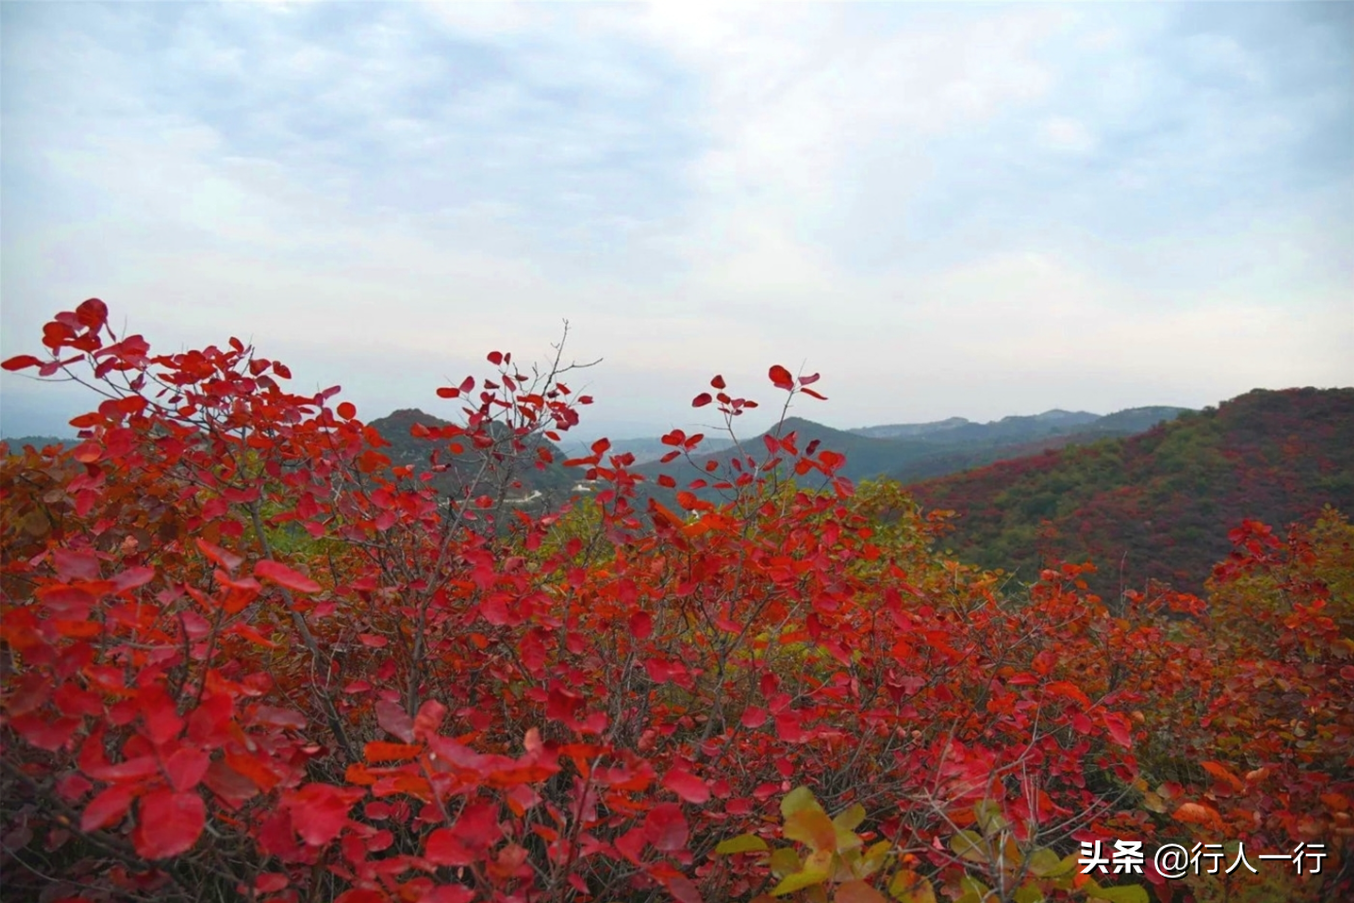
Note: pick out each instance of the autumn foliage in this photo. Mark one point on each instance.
(246, 658)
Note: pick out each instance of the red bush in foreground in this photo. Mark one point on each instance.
(244, 657)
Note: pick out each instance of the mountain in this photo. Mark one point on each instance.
(645, 449)
(538, 486)
(1019, 429)
(909, 452)
(1157, 505)
(39, 442)
(910, 430)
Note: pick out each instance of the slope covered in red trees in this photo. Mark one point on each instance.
(1158, 506)
(246, 657)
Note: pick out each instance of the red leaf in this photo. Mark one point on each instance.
(789, 728)
(495, 358)
(44, 732)
(319, 811)
(1120, 730)
(665, 827)
(186, 768)
(443, 847)
(682, 889)
(809, 380)
(666, 481)
(217, 555)
(448, 392)
(781, 377)
(391, 717)
(75, 565)
(816, 395)
(687, 786)
(21, 362)
(347, 410)
(1195, 813)
(701, 400)
(168, 824)
(631, 845)
(108, 807)
(718, 382)
(132, 578)
(641, 625)
(364, 895)
(282, 575)
(92, 313)
(1070, 690)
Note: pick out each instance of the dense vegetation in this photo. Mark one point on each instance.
(1158, 506)
(247, 656)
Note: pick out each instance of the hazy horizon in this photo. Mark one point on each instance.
(947, 210)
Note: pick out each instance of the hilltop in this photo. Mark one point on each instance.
(1158, 505)
(521, 479)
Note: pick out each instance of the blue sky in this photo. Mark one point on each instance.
(957, 209)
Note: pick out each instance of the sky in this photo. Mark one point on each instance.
(947, 210)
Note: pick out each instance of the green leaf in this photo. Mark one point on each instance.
(1046, 864)
(743, 843)
(968, 845)
(1122, 893)
(1029, 893)
(990, 819)
(974, 891)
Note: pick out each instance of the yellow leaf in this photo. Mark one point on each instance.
(850, 818)
(909, 887)
(784, 861)
(813, 827)
(1046, 864)
(799, 799)
(743, 843)
(805, 877)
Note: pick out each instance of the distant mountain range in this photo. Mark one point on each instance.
(904, 451)
(909, 452)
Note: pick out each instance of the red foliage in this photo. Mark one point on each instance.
(242, 653)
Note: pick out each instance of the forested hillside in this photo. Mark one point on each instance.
(520, 476)
(1158, 506)
(915, 451)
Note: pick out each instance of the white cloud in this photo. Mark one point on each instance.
(1062, 133)
(946, 210)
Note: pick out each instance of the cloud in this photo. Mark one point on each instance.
(958, 210)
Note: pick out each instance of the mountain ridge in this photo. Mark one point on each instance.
(1158, 504)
